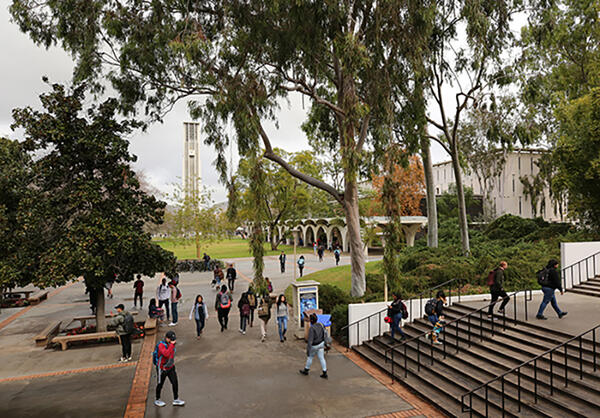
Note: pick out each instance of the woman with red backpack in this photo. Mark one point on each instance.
(222, 306)
(244, 307)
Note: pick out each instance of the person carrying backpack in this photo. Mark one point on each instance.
(222, 306)
(244, 307)
(252, 302)
(264, 314)
(495, 281)
(125, 327)
(164, 359)
(550, 281)
(301, 263)
(175, 298)
(163, 294)
(337, 253)
(434, 309)
(231, 276)
(199, 313)
(397, 311)
(317, 340)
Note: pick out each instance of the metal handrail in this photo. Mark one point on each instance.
(417, 338)
(535, 368)
(578, 264)
(420, 296)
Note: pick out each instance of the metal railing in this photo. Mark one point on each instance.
(536, 380)
(583, 264)
(527, 297)
(449, 285)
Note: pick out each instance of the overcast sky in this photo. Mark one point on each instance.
(160, 149)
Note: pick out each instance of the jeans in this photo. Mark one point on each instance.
(319, 350)
(223, 315)
(396, 324)
(301, 268)
(166, 303)
(244, 321)
(433, 318)
(252, 316)
(230, 283)
(282, 265)
(174, 312)
(548, 298)
(282, 326)
(162, 376)
(199, 325)
(126, 345)
(137, 296)
(495, 295)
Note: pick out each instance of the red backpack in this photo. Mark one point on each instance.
(491, 279)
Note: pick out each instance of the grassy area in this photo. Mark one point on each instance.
(340, 276)
(233, 248)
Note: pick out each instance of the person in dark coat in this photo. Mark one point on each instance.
(395, 311)
(553, 283)
(497, 289)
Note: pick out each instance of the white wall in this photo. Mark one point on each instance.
(573, 252)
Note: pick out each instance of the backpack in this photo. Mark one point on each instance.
(245, 309)
(225, 301)
(491, 278)
(128, 324)
(155, 352)
(543, 277)
(404, 311)
(430, 307)
(301, 262)
(252, 300)
(178, 295)
(263, 309)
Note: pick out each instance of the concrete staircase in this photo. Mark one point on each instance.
(444, 380)
(589, 288)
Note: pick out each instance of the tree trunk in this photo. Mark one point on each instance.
(462, 209)
(100, 311)
(198, 248)
(432, 221)
(274, 239)
(357, 251)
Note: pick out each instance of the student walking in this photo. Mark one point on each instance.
(434, 308)
(282, 317)
(125, 327)
(164, 360)
(321, 251)
(317, 336)
(199, 313)
(269, 285)
(163, 294)
(495, 282)
(264, 314)
(301, 263)
(222, 306)
(231, 276)
(252, 302)
(175, 297)
(337, 254)
(550, 282)
(138, 292)
(206, 259)
(437, 329)
(244, 307)
(396, 311)
(282, 258)
(315, 248)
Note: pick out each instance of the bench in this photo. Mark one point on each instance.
(44, 337)
(38, 297)
(150, 326)
(17, 294)
(65, 339)
(83, 319)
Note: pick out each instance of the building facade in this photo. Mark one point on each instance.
(191, 157)
(503, 191)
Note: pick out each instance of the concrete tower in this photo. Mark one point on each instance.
(191, 157)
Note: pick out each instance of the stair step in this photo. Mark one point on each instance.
(588, 286)
(584, 292)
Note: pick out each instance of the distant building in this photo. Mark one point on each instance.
(503, 191)
(191, 157)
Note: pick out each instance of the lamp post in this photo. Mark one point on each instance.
(296, 233)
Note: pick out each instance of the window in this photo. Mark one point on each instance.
(437, 189)
(520, 206)
(513, 184)
(519, 163)
(531, 162)
(438, 175)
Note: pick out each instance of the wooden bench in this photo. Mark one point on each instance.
(150, 326)
(38, 297)
(65, 339)
(44, 337)
(83, 319)
(17, 294)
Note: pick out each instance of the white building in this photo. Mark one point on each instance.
(191, 157)
(503, 191)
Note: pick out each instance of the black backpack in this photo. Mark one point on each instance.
(128, 324)
(404, 311)
(543, 277)
(430, 307)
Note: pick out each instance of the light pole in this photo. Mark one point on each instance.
(295, 232)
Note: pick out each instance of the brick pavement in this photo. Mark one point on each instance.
(136, 405)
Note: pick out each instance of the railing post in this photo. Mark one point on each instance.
(459, 286)
(405, 362)
(551, 375)
(515, 307)
(444, 331)
(535, 380)
(580, 360)
(469, 332)
(418, 354)
(369, 327)
(525, 301)
(502, 380)
(594, 342)
(379, 324)
(457, 341)
(481, 325)
(471, 405)
(392, 365)
(566, 368)
(431, 348)
(486, 401)
(519, 386)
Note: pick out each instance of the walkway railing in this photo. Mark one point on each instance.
(527, 296)
(449, 285)
(575, 270)
(517, 370)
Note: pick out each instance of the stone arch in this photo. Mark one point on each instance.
(338, 237)
(322, 235)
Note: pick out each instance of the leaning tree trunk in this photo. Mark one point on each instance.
(357, 252)
(462, 209)
(432, 222)
(198, 247)
(274, 239)
(100, 311)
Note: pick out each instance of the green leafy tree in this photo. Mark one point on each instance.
(89, 212)
(346, 57)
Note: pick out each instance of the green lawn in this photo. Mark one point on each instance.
(233, 248)
(340, 276)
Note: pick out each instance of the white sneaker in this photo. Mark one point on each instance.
(123, 359)
(158, 402)
(243, 332)
(172, 324)
(129, 358)
(178, 402)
